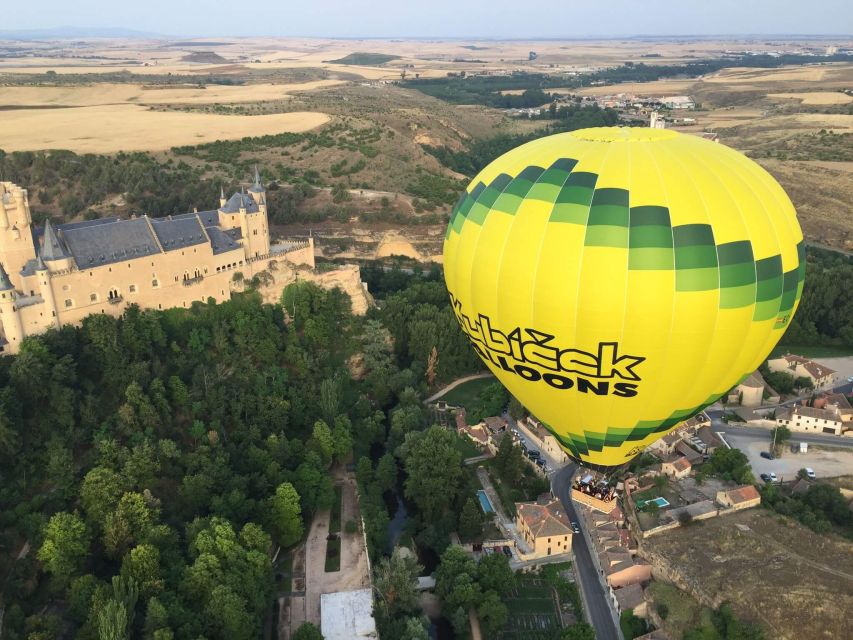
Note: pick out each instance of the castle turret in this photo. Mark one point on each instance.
(222, 199)
(13, 329)
(16, 237)
(46, 290)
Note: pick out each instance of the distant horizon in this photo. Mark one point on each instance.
(130, 33)
(441, 19)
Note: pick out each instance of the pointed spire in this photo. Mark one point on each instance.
(52, 248)
(222, 192)
(40, 266)
(5, 283)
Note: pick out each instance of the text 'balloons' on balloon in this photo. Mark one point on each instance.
(619, 280)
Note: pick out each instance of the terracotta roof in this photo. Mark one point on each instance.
(460, 419)
(815, 369)
(495, 423)
(544, 519)
(477, 432)
(681, 464)
(708, 437)
(746, 493)
(629, 597)
(839, 400)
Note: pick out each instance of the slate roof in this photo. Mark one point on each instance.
(108, 241)
(816, 370)
(208, 218)
(221, 241)
(544, 520)
(237, 200)
(258, 186)
(52, 248)
(809, 412)
(5, 283)
(754, 381)
(177, 232)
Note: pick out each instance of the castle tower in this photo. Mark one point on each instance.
(46, 290)
(256, 235)
(13, 329)
(222, 199)
(16, 237)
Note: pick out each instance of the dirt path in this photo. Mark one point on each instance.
(353, 573)
(455, 384)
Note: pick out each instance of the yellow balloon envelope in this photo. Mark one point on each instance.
(619, 280)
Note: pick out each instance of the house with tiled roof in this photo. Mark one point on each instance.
(684, 449)
(837, 402)
(676, 467)
(820, 375)
(809, 419)
(545, 440)
(631, 598)
(544, 525)
(751, 392)
(739, 498)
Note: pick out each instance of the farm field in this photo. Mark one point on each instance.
(771, 569)
(126, 127)
(532, 611)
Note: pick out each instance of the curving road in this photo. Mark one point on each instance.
(592, 592)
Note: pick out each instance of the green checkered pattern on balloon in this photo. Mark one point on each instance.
(615, 436)
(647, 234)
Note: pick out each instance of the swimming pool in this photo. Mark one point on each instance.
(660, 502)
(484, 502)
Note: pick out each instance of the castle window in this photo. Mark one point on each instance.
(69, 302)
(65, 287)
(114, 294)
(255, 232)
(154, 283)
(93, 297)
(132, 288)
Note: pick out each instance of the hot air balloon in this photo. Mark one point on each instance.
(617, 281)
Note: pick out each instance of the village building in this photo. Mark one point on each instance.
(809, 419)
(544, 526)
(631, 598)
(59, 274)
(739, 498)
(752, 391)
(838, 403)
(799, 367)
(677, 468)
(545, 440)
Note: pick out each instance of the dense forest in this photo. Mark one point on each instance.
(825, 314)
(151, 464)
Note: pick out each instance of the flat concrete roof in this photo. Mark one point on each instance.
(347, 615)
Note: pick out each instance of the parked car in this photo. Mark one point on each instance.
(576, 527)
(533, 454)
(772, 477)
(768, 455)
(507, 552)
(810, 473)
(850, 379)
(765, 477)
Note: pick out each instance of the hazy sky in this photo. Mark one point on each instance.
(439, 18)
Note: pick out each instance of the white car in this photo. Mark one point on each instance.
(772, 476)
(850, 379)
(810, 473)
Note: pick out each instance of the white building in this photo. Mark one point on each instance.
(678, 102)
(811, 420)
(800, 367)
(347, 615)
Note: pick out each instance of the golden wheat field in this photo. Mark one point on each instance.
(128, 127)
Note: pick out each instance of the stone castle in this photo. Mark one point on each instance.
(60, 274)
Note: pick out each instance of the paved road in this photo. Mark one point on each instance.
(593, 594)
(766, 435)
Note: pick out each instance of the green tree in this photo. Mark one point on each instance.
(631, 625)
(495, 574)
(66, 542)
(396, 581)
(330, 399)
(142, 566)
(307, 631)
(471, 520)
(434, 470)
(286, 514)
(509, 461)
(493, 614)
(100, 493)
(578, 631)
(516, 409)
(322, 443)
